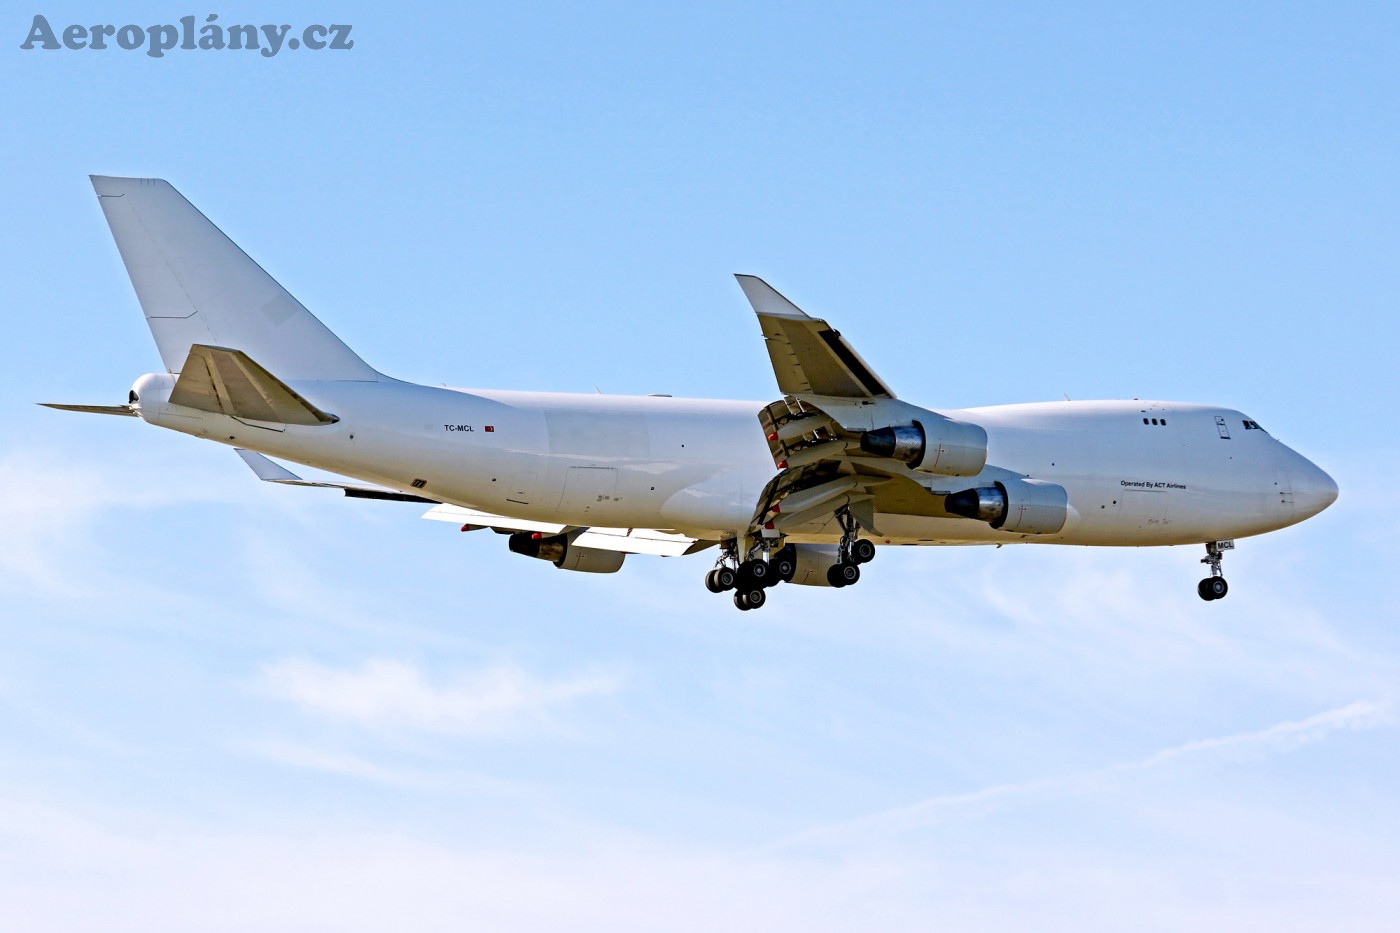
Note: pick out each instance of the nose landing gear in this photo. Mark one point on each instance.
(1214, 586)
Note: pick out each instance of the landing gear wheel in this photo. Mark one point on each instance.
(863, 551)
(783, 564)
(725, 578)
(1212, 588)
(843, 574)
(711, 584)
(750, 598)
(757, 572)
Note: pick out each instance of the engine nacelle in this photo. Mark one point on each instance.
(558, 550)
(946, 447)
(1022, 506)
(811, 562)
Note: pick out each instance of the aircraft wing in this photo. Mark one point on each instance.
(831, 397)
(809, 357)
(626, 540)
(823, 471)
(270, 472)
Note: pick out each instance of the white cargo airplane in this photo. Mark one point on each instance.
(800, 490)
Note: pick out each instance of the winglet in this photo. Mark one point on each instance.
(766, 299)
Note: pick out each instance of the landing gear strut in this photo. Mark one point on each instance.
(1214, 586)
(853, 552)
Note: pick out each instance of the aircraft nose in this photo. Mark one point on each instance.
(1313, 489)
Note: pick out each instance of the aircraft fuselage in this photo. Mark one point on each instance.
(1137, 473)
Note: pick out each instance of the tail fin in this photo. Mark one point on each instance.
(197, 287)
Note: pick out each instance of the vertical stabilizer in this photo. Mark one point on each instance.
(197, 287)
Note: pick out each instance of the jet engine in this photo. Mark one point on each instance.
(948, 448)
(564, 554)
(1022, 506)
(810, 562)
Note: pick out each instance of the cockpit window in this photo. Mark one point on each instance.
(1253, 426)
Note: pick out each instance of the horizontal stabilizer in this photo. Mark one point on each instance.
(94, 409)
(228, 382)
(808, 356)
(270, 472)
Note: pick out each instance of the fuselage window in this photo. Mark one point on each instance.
(1144, 421)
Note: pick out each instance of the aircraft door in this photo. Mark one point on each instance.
(588, 491)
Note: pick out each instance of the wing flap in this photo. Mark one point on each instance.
(458, 515)
(625, 540)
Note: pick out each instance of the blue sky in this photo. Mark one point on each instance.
(225, 705)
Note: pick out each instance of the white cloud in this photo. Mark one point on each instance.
(386, 694)
(337, 763)
(1280, 737)
(48, 506)
(121, 871)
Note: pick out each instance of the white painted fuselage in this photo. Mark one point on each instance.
(1136, 473)
(581, 480)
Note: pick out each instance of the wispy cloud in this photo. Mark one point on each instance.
(342, 765)
(48, 506)
(1280, 737)
(387, 694)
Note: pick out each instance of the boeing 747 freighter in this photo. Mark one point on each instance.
(803, 489)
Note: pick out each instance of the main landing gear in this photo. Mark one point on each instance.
(748, 578)
(767, 566)
(1214, 586)
(854, 551)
